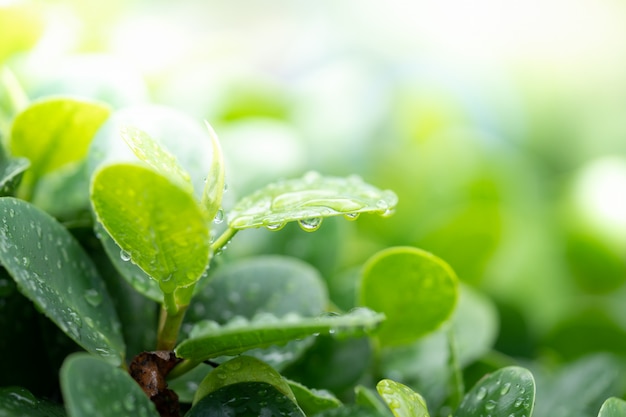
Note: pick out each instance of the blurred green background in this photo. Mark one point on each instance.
(501, 125)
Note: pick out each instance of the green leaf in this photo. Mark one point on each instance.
(370, 399)
(52, 270)
(159, 226)
(53, 133)
(156, 156)
(242, 369)
(613, 407)
(308, 200)
(402, 400)
(187, 384)
(209, 339)
(415, 290)
(92, 387)
(22, 25)
(215, 180)
(351, 411)
(246, 399)
(266, 284)
(508, 392)
(19, 402)
(11, 172)
(313, 401)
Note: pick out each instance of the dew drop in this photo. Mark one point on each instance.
(311, 224)
(219, 216)
(518, 402)
(490, 405)
(275, 226)
(351, 216)
(93, 297)
(125, 256)
(505, 388)
(225, 187)
(482, 393)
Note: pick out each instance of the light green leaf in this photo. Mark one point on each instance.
(52, 270)
(92, 387)
(19, 402)
(22, 25)
(416, 290)
(508, 392)
(308, 200)
(402, 400)
(246, 399)
(156, 156)
(159, 226)
(11, 172)
(242, 369)
(209, 339)
(313, 401)
(53, 133)
(613, 407)
(215, 180)
(368, 398)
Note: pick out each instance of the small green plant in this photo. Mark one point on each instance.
(102, 221)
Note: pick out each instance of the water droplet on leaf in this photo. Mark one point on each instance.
(219, 216)
(482, 393)
(311, 224)
(125, 256)
(93, 297)
(351, 216)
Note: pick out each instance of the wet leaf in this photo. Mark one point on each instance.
(246, 399)
(613, 407)
(209, 339)
(508, 392)
(402, 400)
(19, 402)
(242, 369)
(53, 133)
(92, 387)
(308, 200)
(416, 290)
(159, 226)
(215, 179)
(313, 401)
(53, 271)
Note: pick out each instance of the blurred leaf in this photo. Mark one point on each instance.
(11, 172)
(369, 398)
(613, 407)
(308, 200)
(92, 387)
(52, 133)
(22, 25)
(351, 411)
(54, 272)
(313, 401)
(508, 392)
(242, 369)
(246, 399)
(186, 385)
(19, 402)
(265, 284)
(416, 290)
(402, 400)
(214, 188)
(156, 156)
(158, 225)
(209, 339)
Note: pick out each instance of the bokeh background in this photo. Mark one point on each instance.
(501, 125)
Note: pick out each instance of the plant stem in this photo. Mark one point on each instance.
(169, 326)
(223, 240)
(455, 384)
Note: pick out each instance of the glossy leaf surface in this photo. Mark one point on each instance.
(613, 407)
(92, 387)
(53, 271)
(54, 132)
(508, 392)
(19, 402)
(242, 369)
(246, 399)
(402, 400)
(158, 225)
(209, 339)
(308, 200)
(416, 290)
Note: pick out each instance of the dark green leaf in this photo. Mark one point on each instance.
(308, 200)
(94, 388)
(53, 271)
(416, 290)
(508, 392)
(209, 339)
(613, 407)
(11, 171)
(246, 399)
(402, 400)
(370, 399)
(19, 402)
